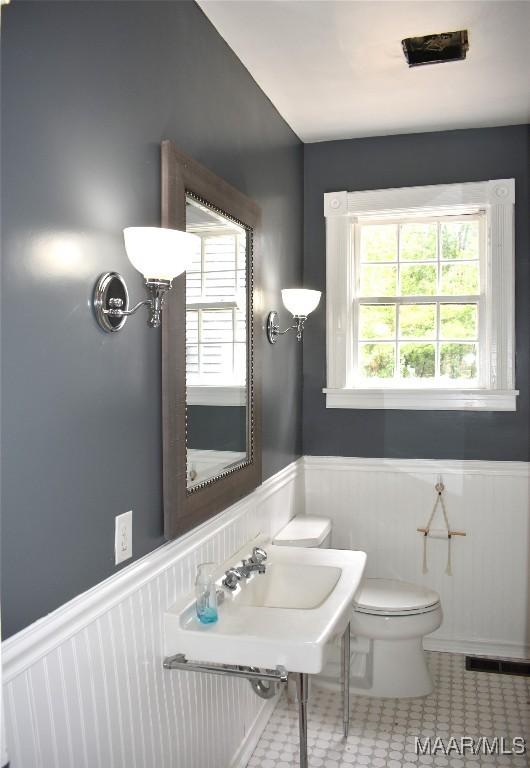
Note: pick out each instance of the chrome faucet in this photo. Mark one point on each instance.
(255, 564)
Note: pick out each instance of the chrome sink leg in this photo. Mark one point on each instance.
(302, 684)
(345, 680)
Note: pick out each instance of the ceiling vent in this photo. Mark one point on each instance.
(435, 49)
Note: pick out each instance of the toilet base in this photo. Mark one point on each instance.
(384, 669)
(399, 670)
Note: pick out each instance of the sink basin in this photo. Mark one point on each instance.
(290, 586)
(285, 617)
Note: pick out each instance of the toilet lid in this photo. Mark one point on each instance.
(390, 596)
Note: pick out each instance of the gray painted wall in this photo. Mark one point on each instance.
(401, 161)
(89, 89)
(216, 427)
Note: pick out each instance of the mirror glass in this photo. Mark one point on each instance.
(216, 345)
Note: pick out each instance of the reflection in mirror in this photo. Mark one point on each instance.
(216, 345)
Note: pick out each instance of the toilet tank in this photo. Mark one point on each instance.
(305, 531)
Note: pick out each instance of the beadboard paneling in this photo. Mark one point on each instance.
(85, 686)
(376, 506)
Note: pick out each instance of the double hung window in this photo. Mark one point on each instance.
(418, 294)
(420, 297)
(216, 325)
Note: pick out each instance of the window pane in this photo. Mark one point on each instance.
(241, 255)
(417, 321)
(418, 242)
(379, 242)
(192, 326)
(240, 363)
(417, 361)
(219, 253)
(192, 341)
(193, 286)
(459, 279)
(192, 358)
(458, 361)
(219, 285)
(217, 325)
(458, 321)
(217, 360)
(377, 360)
(240, 334)
(193, 274)
(378, 280)
(377, 321)
(418, 280)
(459, 240)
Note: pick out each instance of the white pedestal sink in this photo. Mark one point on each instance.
(284, 617)
(280, 620)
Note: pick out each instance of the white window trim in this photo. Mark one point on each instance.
(497, 199)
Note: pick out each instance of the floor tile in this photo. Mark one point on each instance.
(382, 731)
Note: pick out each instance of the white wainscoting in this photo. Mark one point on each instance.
(377, 504)
(85, 687)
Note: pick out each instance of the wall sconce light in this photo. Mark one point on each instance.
(160, 255)
(300, 302)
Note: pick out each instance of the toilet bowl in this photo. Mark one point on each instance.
(393, 616)
(389, 621)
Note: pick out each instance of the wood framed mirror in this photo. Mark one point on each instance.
(211, 404)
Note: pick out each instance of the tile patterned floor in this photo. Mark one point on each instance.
(382, 731)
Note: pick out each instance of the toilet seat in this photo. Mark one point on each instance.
(390, 597)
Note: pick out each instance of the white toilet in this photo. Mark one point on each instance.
(389, 620)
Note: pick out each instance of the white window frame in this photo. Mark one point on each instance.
(342, 209)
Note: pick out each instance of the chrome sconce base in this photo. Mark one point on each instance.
(273, 327)
(111, 301)
(158, 290)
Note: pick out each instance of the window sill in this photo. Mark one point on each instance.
(423, 400)
(216, 395)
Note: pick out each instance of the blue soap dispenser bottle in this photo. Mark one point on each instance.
(205, 593)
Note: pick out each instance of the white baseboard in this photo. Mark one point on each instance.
(478, 648)
(253, 735)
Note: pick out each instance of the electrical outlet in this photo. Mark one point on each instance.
(123, 537)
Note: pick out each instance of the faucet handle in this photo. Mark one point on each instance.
(231, 579)
(258, 555)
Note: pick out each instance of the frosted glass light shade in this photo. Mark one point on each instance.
(300, 301)
(159, 254)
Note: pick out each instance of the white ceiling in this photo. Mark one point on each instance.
(336, 70)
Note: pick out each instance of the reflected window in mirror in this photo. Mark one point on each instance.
(216, 344)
